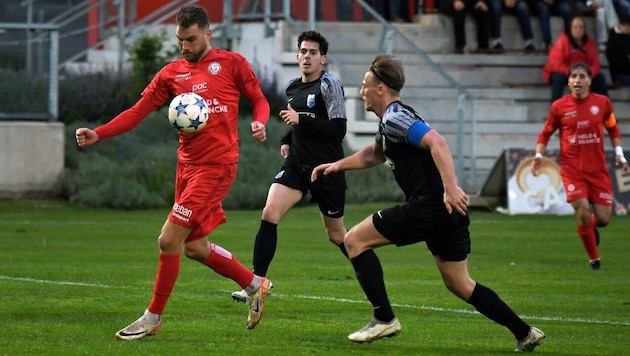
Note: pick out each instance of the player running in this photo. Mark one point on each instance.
(581, 118)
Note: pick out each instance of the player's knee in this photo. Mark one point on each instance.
(194, 253)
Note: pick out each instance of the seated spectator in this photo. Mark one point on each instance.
(544, 9)
(618, 52)
(458, 9)
(569, 49)
(605, 17)
(521, 11)
(391, 10)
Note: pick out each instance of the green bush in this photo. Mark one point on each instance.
(21, 92)
(132, 171)
(93, 97)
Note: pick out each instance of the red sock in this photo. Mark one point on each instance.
(168, 270)
(225, 264)
(587, 235)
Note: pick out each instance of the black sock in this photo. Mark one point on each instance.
(265, 247)
(369, 272)
(342, 247)
(488, 303)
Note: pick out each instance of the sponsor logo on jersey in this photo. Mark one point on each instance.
(214, 68)
(181, 212)
(183, 76)
(200, 87)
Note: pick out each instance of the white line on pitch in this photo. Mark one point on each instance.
(340, 300)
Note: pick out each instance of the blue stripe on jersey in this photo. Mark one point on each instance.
(416, 132)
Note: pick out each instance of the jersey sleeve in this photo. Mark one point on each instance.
(249, 85)
(551, 125)
(126, 120)
(333, 94)
(397, 122)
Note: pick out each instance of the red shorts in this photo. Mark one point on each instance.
(595, 186)
(199, 191)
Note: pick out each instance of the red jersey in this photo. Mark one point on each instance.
(220, 77)
(563, 55)
(581, 123)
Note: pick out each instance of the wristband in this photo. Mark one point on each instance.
(538, 155)
(619, 152)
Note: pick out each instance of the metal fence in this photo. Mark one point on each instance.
(29, 56)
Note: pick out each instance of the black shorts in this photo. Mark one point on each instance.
(446, 235)
(328, 191)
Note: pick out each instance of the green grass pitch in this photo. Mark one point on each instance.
(71, 277)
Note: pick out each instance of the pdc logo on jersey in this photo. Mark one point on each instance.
(214, 68)
(310, 100)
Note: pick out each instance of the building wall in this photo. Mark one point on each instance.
(32, 158)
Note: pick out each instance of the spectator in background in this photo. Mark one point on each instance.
(391, 10)
(544, 9)
(344, 10)
(521, 11)
(458, 10)
(570, 48)
(605, 17)
(618, 52)
(622, 7)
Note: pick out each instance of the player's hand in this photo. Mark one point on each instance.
(325, 169)
(458, 5)
(290, 116)
(85, 136)
(481, 6)
(625, 169)
(284, 150)
(536, 166)
(455, 198)
(258, 131)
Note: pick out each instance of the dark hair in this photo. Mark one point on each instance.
(314, 36)
(389, 70)
(624, 19)
(191, 15)
(581, 65)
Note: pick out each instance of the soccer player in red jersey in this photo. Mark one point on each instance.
(206, 166)
(581, 118)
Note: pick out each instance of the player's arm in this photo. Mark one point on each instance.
(420, 134)
(335, 127)
(123, 122)
(551, 125)
(249, 85)
(610, 123)
(367, 157)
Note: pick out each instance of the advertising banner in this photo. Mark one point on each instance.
(544, 194)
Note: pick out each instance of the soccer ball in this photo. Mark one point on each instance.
(188, 112)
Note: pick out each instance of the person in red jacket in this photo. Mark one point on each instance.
(581, 118)
(206, 162)
(571, 48)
